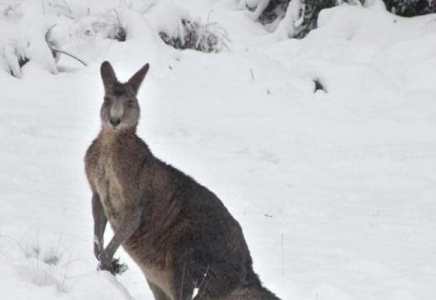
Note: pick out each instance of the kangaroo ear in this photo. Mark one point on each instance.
(136, 80)
(108, 75)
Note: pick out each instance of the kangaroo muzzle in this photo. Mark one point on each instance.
(116, 114)
(115, 122)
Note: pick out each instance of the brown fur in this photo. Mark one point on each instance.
(177, 231)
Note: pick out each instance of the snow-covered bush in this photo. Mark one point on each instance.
(183, 29)
(273, 11)
(107, 25)
(205, 37)
(38, 34)
(21, 44)
(304, 13)
(309, 15)
(300, 16)
(410, 8)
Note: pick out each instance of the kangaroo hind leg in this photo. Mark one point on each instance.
(183, 282)
(158, 293)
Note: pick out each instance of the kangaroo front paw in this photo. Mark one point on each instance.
(115, 267)
(105, 262)
(118, 267)
(104, 267)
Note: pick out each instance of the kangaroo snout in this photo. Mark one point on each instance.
(115, 122)
(116, 113)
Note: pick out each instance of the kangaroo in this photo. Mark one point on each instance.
(178, 232)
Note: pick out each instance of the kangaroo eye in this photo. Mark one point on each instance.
(107, 100)
(131, 103)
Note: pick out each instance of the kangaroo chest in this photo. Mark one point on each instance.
(109, 189)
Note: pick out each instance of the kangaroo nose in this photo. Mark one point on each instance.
(115, 121)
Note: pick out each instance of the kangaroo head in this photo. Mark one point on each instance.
(120, 108)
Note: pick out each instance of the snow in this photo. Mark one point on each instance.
(334, 190)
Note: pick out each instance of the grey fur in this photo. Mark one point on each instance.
(177, 231)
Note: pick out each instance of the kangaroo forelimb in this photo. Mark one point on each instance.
(130, 222)
(100, 222)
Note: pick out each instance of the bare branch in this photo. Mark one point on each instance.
(70, 55)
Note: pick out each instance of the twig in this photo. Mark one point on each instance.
(204, 277)
(47, 34)
(118, 17)
(147, 8)
(64, 279)
(16, 242)
(283, 257)
(43, 7)
(208, 17)
(68, 7)
(3, 255)
(70, 55)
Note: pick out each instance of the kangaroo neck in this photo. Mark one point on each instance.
(110, 136)
(124, 138)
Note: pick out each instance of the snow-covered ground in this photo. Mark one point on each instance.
(335, 190)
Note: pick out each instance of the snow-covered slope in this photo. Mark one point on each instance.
(335, 190)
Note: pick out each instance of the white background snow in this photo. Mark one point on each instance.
(335, 191)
